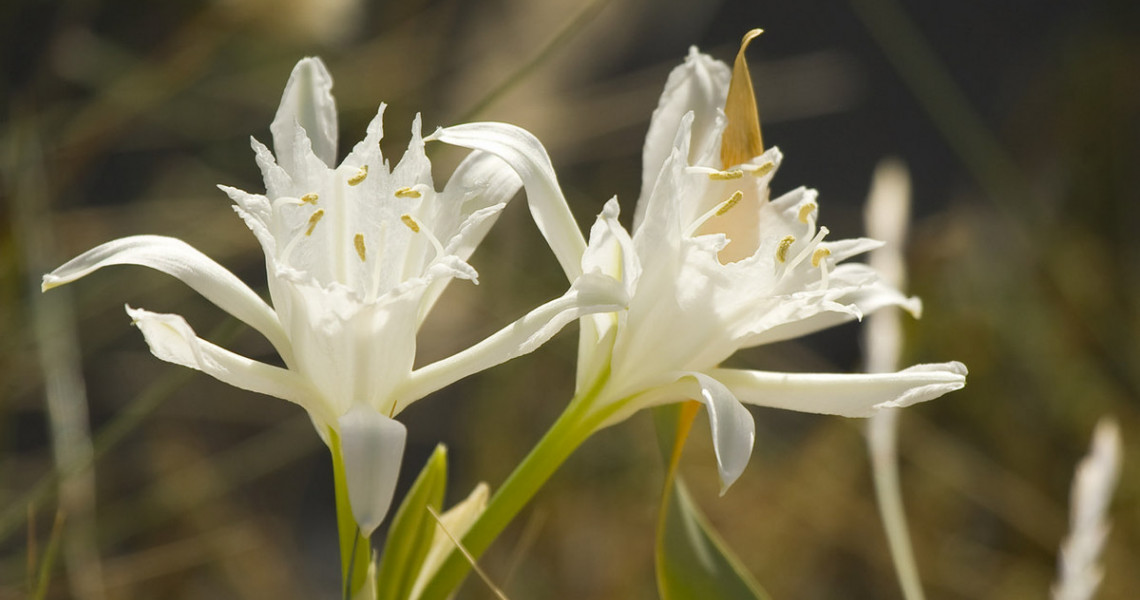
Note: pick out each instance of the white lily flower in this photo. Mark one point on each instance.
(356, 255)
(714, 266)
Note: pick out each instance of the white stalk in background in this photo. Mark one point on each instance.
(1093, 485)
(57, 346)
(886, 215)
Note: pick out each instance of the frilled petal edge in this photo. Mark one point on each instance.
(185, 263)
(848, 395)
(172, 339)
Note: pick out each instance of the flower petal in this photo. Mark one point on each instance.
(373, 448)
(699, 85)
(591, 293)
(308, 102)
(733, 430)
(171, 339)
(858, 395)
(182, 261)
(525, 154)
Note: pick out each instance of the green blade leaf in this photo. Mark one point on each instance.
(410, 535)
(693, 562)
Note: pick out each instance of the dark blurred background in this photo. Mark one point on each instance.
(1020, 122)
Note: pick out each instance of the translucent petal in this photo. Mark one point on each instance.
(854, 395)
(373, 448)
(308, 102)
(182, 261)
(525, 154)
(699, 85)
(172, 339)
(591, 293)
(733, 430)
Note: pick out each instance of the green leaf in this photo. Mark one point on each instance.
(354, 548)
(412, 529)
(693, 562)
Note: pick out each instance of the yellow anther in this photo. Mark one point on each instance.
(407, 192)
(732, 201)
(741, 140)
(313, 220)
(360, 175)
(819, 255)
(309, 199)
(783, 247)
(806, 211)
(358, 241)
(726, 175)
(764, 169)
(411, 223)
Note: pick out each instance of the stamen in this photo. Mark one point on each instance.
(358, 242)
(309, 199)
(732, 201)
(726, 175)
(806, 211)
(764, 169)
(809, 248)
(359, 177)
(313, 220)
(819, 255)
(783, 246)
(407, 192)
(417, 228)
(715, 211)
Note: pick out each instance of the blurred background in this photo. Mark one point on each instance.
(1019, 121)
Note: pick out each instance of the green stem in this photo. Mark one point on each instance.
(353, 561)
(572, 428)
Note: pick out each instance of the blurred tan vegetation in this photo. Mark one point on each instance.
(1020, 122)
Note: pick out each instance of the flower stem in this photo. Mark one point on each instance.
(572, 428)
(355, 549)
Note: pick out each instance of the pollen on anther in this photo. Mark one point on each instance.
(818, 256)
(359, 177)
(726, 175)
(732, 201)
(313, 220)
(411, 223)
(309, 199)
(407, 192)
(783, 247)
(358, 242)
(764, 169)
(806, 211)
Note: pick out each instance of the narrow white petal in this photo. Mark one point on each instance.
(591, 293)
(699, 85)
(733, 430)
(848, 395)
(373, 448)
(182, 261)
(525, 154)
(308, 102)
(171, 339)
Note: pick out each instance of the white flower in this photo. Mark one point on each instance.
(713, 266)
(356, 255)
